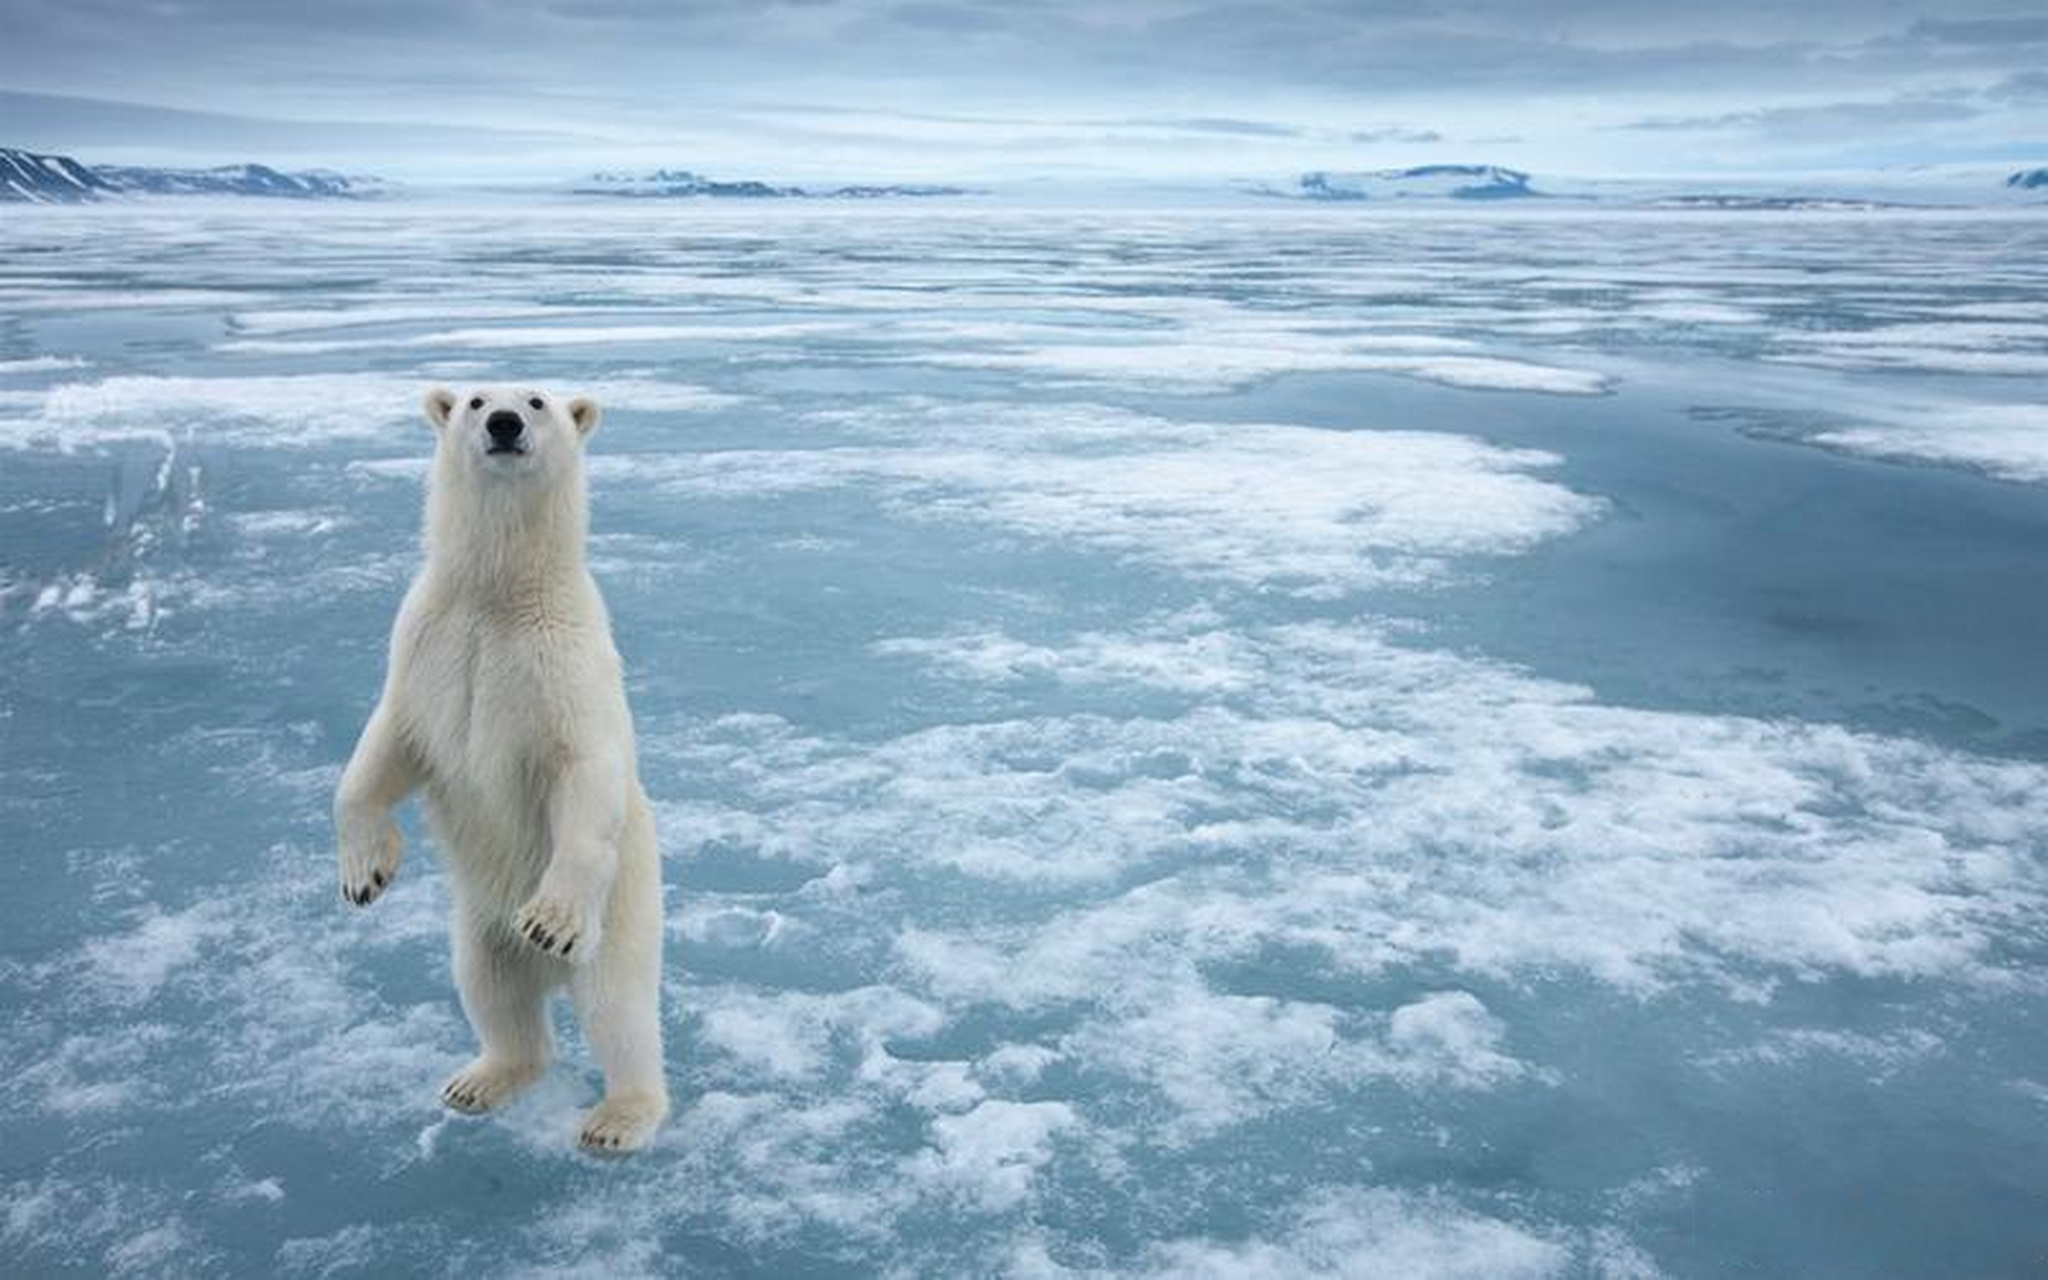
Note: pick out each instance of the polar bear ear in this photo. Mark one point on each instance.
(583, 411)
(440, 403)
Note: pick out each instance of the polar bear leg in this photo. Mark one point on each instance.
(618, 1001)
(621, 1019)
(382, 772)
(504, 990)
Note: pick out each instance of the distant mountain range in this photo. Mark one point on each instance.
(682, 184)
(1424, 182)
(33, 177)
(1486, 182)
(29, 177)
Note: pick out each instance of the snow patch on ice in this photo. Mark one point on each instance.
(526, 337)
(271, 411)
(991, 1154)
(1452, 1036)
(1218, 1060)
(41, 364)
(1326, 769)
(1311, 510)
(1881, 1055)
(1217, 366)
(101, 1225)
(786, 1035)
(2007, 441)
(2015, 348)
(1368, 1230)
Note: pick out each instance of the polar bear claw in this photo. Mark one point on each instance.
(484, 1085)
(369, 863)
(621, 1124)
(555, 927)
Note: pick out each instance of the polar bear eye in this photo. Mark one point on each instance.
(535, 402)
(477, 403)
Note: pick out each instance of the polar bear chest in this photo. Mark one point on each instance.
(492, 702)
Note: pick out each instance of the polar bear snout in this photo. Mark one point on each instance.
(505, 428)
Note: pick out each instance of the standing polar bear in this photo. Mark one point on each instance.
(504, 700)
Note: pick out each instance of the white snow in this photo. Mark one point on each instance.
(1199, 365)
(271, 411)
(1361, 1231)
(41, 364)
(2007, 441)
(1298, 508)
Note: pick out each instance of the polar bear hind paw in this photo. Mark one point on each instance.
(556, 928)
(484, 1085)
(618, 1125)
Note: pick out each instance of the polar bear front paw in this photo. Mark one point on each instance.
(485, 1084)
(557, 927)
(369, 861)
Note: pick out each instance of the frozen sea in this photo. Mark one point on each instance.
(1241, 742)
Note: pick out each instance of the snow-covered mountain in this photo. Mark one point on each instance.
(27, 176)
(677, 182)
(1424, 182)
(682, 183)
(240, 180)
(1824, 192)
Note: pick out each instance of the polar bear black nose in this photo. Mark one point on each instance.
(504, 426)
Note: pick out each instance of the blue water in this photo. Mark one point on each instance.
(1265, 743)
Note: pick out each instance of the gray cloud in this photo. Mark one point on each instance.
(2027, 86)
(1393, 134)
(1366, 47)
(1827, 120)
(1222, 125)
(58, 121)
(1982, 31)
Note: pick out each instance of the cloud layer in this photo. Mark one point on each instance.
(1151, 87)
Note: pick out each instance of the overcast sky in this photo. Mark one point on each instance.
(860, 89)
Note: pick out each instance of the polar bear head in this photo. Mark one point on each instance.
(507, 494)
(510, 433)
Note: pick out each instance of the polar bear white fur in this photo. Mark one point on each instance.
(504, 701)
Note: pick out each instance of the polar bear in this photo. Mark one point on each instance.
(503, 699)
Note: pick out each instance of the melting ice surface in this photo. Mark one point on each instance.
(1243, 744)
